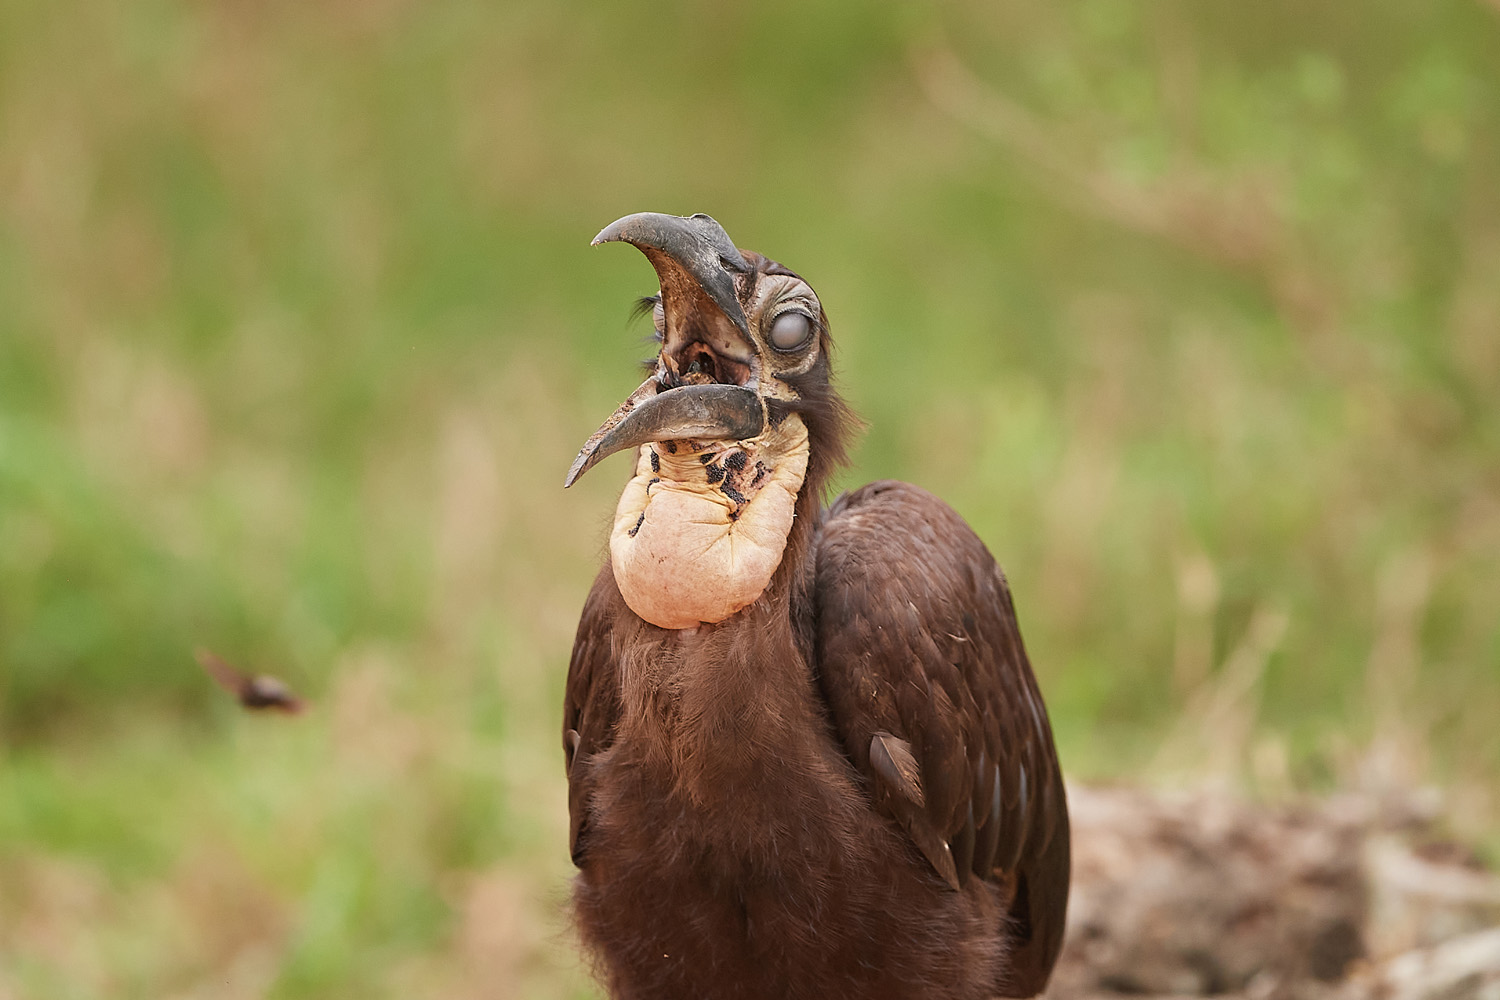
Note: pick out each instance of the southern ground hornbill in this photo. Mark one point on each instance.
(806, 754)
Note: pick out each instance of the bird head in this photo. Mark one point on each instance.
(735, 430)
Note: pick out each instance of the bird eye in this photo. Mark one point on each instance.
(791, 330)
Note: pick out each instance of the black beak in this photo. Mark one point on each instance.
(695, 261)
(692, 255)
(713, 412)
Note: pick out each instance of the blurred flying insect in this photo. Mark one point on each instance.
(257, 692)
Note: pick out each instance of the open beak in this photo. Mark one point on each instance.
(694, 260)
(706, 412)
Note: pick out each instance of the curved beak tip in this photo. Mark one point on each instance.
(728, 412)
(630, 228)
(574, 471)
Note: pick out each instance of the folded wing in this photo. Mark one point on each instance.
(920, 659)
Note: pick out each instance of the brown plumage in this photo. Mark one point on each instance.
(847, 787)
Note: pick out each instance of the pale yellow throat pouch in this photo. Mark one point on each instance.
(701, 526)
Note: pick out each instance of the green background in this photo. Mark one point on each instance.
(1193, 309)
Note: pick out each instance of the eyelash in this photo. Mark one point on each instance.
(644, 306)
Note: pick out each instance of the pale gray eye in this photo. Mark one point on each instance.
(791, 330)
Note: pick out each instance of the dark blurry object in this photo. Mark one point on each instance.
(257, 692)
(806, 753)
(1205, 894)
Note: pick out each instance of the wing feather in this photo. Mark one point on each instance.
(919, 655)
(591, 703)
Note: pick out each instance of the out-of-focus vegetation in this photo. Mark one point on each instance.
(1192, 309)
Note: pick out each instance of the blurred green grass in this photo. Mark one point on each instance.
(1192, 309)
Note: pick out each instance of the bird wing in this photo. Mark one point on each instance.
(590, 703)
(920, 659)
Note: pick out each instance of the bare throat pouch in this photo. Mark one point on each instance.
(701, 526)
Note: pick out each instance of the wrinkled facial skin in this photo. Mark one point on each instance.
(700, 344)
(700, 528)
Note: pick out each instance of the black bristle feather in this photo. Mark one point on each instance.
(644, 306)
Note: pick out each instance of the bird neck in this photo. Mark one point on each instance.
(724, 708)
(727, 707)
